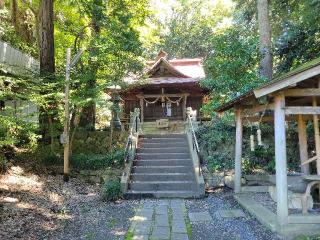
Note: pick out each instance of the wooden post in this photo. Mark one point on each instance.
(281, 159)
(66, 170)
(316, 134)
(303, 144)
(238, 152)
(141, 110)
(184, 107)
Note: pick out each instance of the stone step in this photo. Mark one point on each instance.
(173, 135)
(163, 144)
(160, 194)
(162, 177)
(163, 162)
(163, 140)
(163, 155)
(183, 149)
(162, 169)
(163, 186)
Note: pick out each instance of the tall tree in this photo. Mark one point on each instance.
(47, 64)
(266, 61)
(88, 114)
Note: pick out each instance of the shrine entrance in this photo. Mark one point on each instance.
(159, 106)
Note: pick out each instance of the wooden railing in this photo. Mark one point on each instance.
(134, 129)
(195, 145)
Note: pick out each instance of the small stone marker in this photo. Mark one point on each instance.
(200, 217)
(231, 213)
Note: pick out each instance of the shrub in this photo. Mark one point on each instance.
(111, 190)
(97, 161)
(3, 164)
(15, 131)
(219, 161)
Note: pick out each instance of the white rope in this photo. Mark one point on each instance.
(162, 99)
(177, 101)
(151, 102)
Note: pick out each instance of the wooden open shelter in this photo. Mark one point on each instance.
(294, 96)
(171, 86)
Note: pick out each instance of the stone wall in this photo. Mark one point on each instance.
(91, 142)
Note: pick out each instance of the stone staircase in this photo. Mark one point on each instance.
(162, 168)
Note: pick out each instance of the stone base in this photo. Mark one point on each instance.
(294, 199)
(229, 181)
(269, 219)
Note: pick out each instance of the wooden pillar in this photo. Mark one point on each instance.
(238, 151)
(141, 110)
(184, 107)
(316, 134)
(281, 159)
(303, 144)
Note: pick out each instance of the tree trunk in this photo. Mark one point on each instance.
(1, 4)
(47, 65)
(15, 15)
(88, 115)
(265, 39)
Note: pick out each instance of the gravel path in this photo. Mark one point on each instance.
(246, 228)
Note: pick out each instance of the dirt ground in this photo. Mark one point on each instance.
(44, 207)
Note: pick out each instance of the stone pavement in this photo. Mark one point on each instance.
(164, 219)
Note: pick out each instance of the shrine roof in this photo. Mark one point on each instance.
(174, 71)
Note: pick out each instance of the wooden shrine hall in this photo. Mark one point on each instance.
(294, 96)
(171, 86)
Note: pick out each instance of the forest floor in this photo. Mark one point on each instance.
(44, 207)
(41, 206)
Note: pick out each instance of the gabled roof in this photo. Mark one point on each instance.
(163, 65)
(175, 71)
(291, 78)
(183, 67)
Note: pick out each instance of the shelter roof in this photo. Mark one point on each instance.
(283, 81)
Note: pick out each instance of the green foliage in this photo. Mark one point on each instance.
(231, 68)
(185, 27)
(111, 190)
(15, 131)
(220, 161)
(93, 162)
(216, 142)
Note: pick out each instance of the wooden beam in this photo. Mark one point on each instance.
(281, 160)
(141, 110)
(165, 95)
(184, 107)
(303, 144)
(302, 92)
(238, 151)
(309, 160)
(302, 110)
(258, 108)
(271, 118)
(286, 82)
(316, 135)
